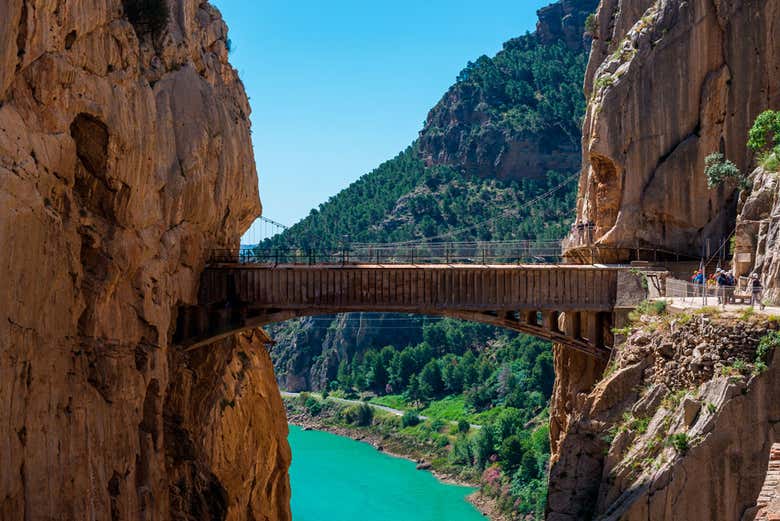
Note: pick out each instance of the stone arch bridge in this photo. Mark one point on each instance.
(574, 305)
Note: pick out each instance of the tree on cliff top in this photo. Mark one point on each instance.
(718, 170)
(764, 138)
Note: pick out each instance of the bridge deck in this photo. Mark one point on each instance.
(569, 304)
(415, 288)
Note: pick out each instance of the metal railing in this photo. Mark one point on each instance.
(684, 292)
(581, 235)
(505, 252)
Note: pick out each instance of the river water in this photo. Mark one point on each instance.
(339, 479)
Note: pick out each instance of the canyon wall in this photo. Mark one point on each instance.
(125, 156)
(757, 237)
(670, 82)
(679, 429)
(680, 424)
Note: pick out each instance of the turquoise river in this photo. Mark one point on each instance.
(338, 479)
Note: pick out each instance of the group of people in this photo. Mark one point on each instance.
(726, 283)
(583, 225)
(582, 232)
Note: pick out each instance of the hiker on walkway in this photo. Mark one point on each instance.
(698, 277)
(756, 291)
(723, 282)
(731, 286)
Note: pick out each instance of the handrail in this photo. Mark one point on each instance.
(507, 252)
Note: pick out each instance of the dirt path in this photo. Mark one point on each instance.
(396, 412)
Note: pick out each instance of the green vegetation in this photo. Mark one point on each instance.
(450, 375)
(747, 314)
(639, 425)
(766, 347)
(360, 415)
(149, 17)
(654, 308)
(394, 401)
(738, 368)
(404, 200)
(410, 419)
(527, 88)
(603, 81)
(672, 400)
(764, 139)
(718, 170)
(313, 406)
(680, 442)
(591, 25)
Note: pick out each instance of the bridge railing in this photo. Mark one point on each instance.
(504, 252)
(686, 293)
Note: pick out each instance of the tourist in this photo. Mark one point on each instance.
(723, 282)
(756, 291)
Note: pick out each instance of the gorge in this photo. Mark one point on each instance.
(126, 160)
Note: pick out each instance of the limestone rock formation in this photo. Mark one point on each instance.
(680, 429)
(668, 83)
(125, 156)
(564, 21)
(757, 238)
(466, 128)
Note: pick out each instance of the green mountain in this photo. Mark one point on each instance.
(506, 134)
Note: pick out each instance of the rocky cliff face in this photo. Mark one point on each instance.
(471, 129)
(124, 157)
(307, 352)
(757, 238)
(679, 429)
(669, 82)
(563, 21)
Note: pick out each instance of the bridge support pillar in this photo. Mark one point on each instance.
(573, 324)
(595, 328)
(550, 321)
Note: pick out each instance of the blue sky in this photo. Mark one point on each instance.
(338, 87)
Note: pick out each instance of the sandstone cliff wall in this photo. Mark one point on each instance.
(124, 157)
(669, 82)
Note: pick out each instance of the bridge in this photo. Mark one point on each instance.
(573, 305)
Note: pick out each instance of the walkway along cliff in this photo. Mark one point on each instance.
(125, 156)
(680, 425)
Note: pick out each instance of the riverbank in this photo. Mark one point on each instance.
(385, 437)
